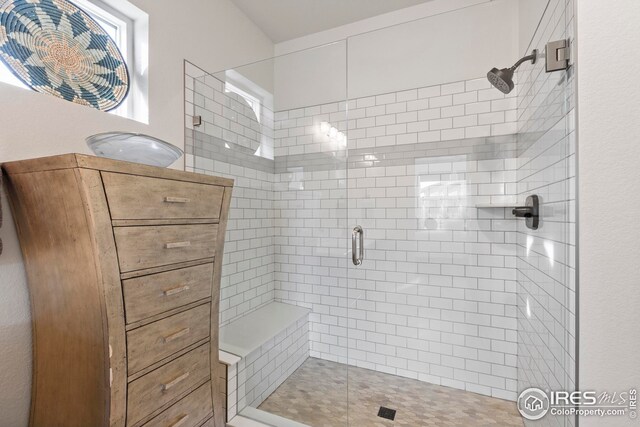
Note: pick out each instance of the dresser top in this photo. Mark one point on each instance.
(73, 160)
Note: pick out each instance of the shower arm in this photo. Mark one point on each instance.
(533, 57)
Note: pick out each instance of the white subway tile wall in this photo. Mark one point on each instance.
(437, 296)
(232, 391)
(248, 269)
(261, 372)
(435, 299)
(468, 109)
(546, 257)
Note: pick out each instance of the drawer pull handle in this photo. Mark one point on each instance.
(175, 382)
(181, 421)
(174, 291)
(177, 335)
(176, 199)
(177, 245)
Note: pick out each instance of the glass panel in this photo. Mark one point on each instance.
(456, 302)
(278, 127)
(546, 257)
(438, 158)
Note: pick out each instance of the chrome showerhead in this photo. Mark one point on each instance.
(503, 79)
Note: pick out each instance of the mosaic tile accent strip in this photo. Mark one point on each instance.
(328, 394)
(494, 147)
(211, 147)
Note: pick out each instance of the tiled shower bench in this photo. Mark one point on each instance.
(260, 350)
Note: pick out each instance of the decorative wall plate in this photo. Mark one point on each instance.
(55, 47)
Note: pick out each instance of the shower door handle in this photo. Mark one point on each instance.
(357, 259)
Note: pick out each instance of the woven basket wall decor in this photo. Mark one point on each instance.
(55, 47)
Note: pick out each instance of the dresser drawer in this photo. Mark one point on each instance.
(157, 340)
(167, 384)
(139, 197)
(151, 246)
(188, 412)
(156, 293)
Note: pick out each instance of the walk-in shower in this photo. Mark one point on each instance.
(373, 261)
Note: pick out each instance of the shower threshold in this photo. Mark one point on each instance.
(252, 417)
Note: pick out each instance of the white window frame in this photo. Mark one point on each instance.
(103, 12)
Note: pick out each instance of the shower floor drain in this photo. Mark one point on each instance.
(389, 414)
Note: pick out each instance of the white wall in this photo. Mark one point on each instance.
(529, 14)
(608, 189)
(400, 16)
(311, 77)
(457, 41)
(211, 33)
(445, 48)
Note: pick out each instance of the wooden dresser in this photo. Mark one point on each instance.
(123, 263)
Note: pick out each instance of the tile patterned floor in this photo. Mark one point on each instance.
(316, 394)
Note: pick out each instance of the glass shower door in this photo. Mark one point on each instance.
(278, 127)
(432, 175)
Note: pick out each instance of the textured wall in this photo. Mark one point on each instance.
(609, 184)
(15, 329)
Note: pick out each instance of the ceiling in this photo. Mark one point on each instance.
(284, 20)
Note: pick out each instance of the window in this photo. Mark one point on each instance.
(253, 102)
(113, 22)
(120, 28)
(261, 103)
